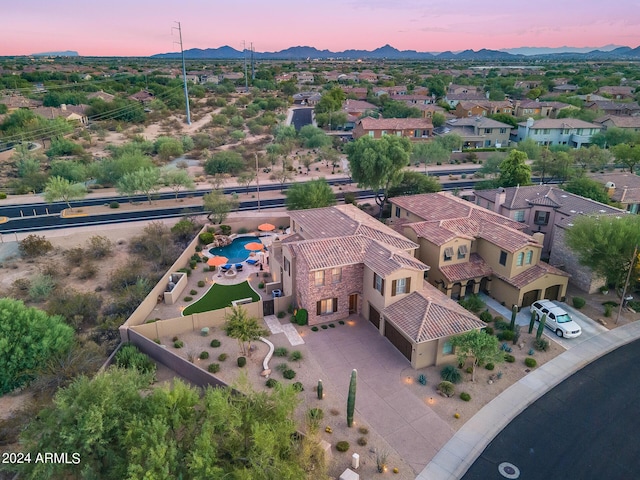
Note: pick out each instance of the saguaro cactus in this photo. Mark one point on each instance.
(351, 399)
(514, 313)
(532, 321)
(543, 320)
(319, 389)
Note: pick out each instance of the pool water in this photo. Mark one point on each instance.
(235, 251)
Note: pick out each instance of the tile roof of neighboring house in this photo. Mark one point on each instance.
(465, 96)
(476, 267)
(428, 314)
(532, 274)
(610, 105)
(538, 104)
(561, 123)
(18, 101)
(66, 111)
(627, 186)
(107, 97)
(518, 198)
(369, 123)
(141, 96)
(616, 90)
(357, 106)
(482, 122)
(620, 121)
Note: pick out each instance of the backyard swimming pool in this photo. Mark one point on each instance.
(235, 251)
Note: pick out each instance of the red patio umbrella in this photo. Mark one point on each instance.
(266, 227)
(217, 261)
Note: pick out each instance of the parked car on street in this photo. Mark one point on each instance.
(557, 320)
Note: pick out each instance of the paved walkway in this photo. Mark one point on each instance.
(274, 325)
(453, 460)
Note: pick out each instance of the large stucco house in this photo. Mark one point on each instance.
(339, 261)
(472, 249)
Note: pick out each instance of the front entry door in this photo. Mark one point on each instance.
(353, 303)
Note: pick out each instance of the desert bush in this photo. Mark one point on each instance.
(178, 344)
(314, 329)
(187, 298)
(75, 256)
(271, 383)
(362, 441)
(222, 357)
(205, 238)
(242, 361)
(114, 205)
(451, 374)
(34, 246)
(281, 352)
(486, 317)
(473, 303)
(99, 247)
(541, 344)
(579, 302)
(201, 283)
(215, 343)
(89, 270)
(193, 292)
(465, 396)
(489, 366)
(295, 356)
(41, 287)
(130, 357)
(363, 430)
(204, 355)
(608, 310)
(446, 388)
(506, 335)
(488, 331)
(302, 317)
(281, 315)
(282, 367)
(214, 368)
(500, 324)
(289, 374)
(530, 362)
(509, 358)
(298, 387)
(342, 446)
(76, 307)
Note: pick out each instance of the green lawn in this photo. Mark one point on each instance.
(220, 296)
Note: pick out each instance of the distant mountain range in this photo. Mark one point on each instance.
(66, 53)
(609, 52)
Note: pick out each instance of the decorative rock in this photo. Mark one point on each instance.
(521, 345)
(266, 373)
(602, 321)
(490, 382)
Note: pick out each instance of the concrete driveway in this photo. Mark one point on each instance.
(590, 328)
(383, 400)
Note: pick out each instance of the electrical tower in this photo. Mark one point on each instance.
(184, 75)
(246, 79)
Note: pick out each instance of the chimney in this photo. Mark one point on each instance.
(588, 98)
(501, 196)
(63, 107)
(611, 188)
(538, 237)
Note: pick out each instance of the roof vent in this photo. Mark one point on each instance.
(610, 185)
(572, 211)
(563, 196)
(603, 211)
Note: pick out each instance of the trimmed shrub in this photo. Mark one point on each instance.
(130, 357)
(114, 205)
(488, 331)
(500, 324)
(486, 317)
(446, 388)
(281, 352)
(506, 335)
(242, 361)
(281, 314)
(302, 317)
(206, 238)
(342, 446)
(261, 285)
(187, 298)
(222, 357)
(289, 374)
(362, 441)
(201, 283)
(541, 344)
(331, 325)
(214, 368)
(298, 387)
(465, 396)
(204, 355)
(363, 430)
(579, 302)
(473, 303)
(314, 329)
(489, 366)
(215, 343)
(451, 374)
(295, 356)
(178, 344)
(530, 362)
(193, 292)
(509, 358)
(324, 327)
(271, 383)
(341, 322)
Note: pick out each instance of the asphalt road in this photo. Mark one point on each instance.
(302, 117)
(588, 427)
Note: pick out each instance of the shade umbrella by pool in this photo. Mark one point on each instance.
(266, 227)
(254, 246)
(217, 261)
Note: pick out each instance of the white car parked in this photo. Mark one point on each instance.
(558, 320)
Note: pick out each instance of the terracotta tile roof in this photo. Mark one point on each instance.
(620, 121)
(369, 123)
(627, 186)
(532, 274)
(428, 314)
(433, 232)
(476, 267)
(561, 123)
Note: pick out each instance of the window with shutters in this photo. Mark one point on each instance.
(448, 254)
(400, 286)
(462, 252)
(327, 306)
(378, 283)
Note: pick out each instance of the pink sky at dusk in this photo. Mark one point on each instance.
(141, 28)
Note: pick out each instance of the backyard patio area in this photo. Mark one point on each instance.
(221, 296)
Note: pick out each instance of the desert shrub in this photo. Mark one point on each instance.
(201, 283)
(289, 374)
(75, 256)
(469, 369)
(489, 366)
(363, 430)
(465, 396)
(193, 292)
(178, 344)
(222, 357)
(342, 446)
(187, 298)
(204, 355)
(215, 343)
(530, 362)
(608, 310)
(281, 352)
(324, 327)
(509, 358)
(541, 344)
(225, 229)
(242, 361)
(271, 383)
(316, 413)
(76, 307)
(489, 331)
(500, 324)
(88, 271)
(486, 317)
(579, 302)
(362, 441)
(3, 195)
(295, 356)
(130, 357)
(506, 335)
(331, 325)
(281, 314)
(41, 287)
(473, 303)
(34, 245)
(298, 387)
(302, 317)
(451, 374)
(261, 285)
(114, 205)
(99, 247)
(282, 367)
(446, 388)
(214, 368)
(314, 329)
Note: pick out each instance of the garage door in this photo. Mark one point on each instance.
(530, 297)
(552, 293)
(374, 316)
(398, 340)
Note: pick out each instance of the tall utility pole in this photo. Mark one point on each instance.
(258, 181)
(626, 283)
(246, 79)
(253, 66)
(184, 76)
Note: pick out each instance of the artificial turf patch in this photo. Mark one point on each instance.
(221, 296)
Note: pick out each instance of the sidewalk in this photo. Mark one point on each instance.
(455, 458)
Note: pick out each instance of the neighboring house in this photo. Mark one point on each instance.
(306, 98)
(107, 97)
(14, 102)
(367, 76)
(143, 96)
(624, 122)
(538, 108)
(429, 110)
(71, 113)
(565, 88)
(614, 108)
(461, 89)
(623, 188)
(412, 128)
(546, 210)
(357, 108)
(477, 132)
(471, 249)
(617, 92)
(358, 93)
(482, 108)
(412, 99)
(526, 85)
(558, 131)
(339, 261)
(305, 77)
(454, 98)
(233, 76)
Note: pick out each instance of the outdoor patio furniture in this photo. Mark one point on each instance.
(238, 266)
(252, 261)
(226, 267)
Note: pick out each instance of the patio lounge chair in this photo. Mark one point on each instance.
(238, 266)
(226, 267)
(252, 261)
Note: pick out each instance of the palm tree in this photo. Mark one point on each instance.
(243, 328)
